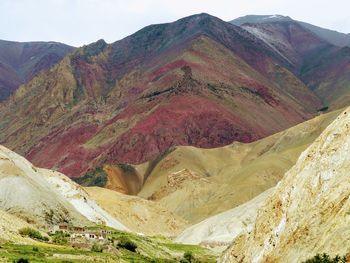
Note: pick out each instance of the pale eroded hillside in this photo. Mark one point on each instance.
(308, 212)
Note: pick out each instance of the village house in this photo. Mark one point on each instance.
(77, 232)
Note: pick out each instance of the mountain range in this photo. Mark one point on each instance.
(129, 101)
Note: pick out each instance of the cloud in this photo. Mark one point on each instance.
(79, 22)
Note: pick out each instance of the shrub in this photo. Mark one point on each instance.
(325, 259)
(126, 243)
(127, 168)
(323, 109)
(22, 260)
(32, 233)
(189, 256)
(97, 248)
(60, 238)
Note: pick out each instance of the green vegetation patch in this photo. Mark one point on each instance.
(32, 233)
(97, 177)
(60, 238)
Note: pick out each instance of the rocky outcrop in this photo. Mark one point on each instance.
(308, 212)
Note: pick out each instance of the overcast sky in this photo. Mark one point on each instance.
(78, 22)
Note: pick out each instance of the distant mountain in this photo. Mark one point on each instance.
(21, 61)
(323, 67)
(331, 36)
(289, 39)
(198, 81)
(328, 75)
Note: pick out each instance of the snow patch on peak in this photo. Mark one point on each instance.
(274, 17)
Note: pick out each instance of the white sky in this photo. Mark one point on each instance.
(78, 22)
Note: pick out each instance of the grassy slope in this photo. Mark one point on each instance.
(197, 183)
(149, 249)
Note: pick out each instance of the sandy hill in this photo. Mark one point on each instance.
(45, 197)
(139, 215)
(198, 183)
(308, 211)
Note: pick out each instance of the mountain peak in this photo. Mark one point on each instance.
(199, 15)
